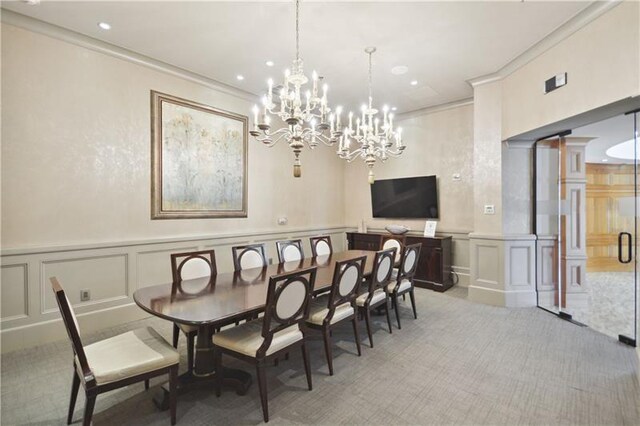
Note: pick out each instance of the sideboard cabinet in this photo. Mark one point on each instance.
(434, 267)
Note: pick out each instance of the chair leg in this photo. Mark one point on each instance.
(262, 384)
(355, 334)
(176, 335)
(146, 384)
(394, 299)
(173, 393)
(75, 385)
(307, 366)
(327, 349)
(367, 319)
(413, 304)
(88, 409)
(217, 360)
(386, 310)
(190, 356)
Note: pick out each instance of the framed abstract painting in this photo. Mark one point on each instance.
(198, 160)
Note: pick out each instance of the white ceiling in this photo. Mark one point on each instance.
(606, 134)
(444, 44)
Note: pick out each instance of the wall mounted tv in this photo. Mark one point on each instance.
(414, 197)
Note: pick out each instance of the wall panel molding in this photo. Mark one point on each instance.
(503, 270)
(112, 272)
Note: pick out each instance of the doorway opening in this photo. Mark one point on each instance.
(586, 221)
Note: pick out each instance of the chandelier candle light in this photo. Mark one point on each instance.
(310, 121)
(374, 139)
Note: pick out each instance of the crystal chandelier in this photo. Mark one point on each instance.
(373, 140)
(307, 122)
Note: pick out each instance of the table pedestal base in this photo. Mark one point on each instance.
(236, 380)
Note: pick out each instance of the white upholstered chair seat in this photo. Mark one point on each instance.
(187, 328)
(247, 338)
(404, 285)
(129, 354)
(378, 295)
(318, 311)
(394, 273)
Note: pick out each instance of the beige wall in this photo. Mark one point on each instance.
(76, 143)
(602, 60)
(438, 143)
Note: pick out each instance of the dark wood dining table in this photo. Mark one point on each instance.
(213, 302)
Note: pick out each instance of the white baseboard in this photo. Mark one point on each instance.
(509, 299)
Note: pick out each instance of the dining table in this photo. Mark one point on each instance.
(223, 299)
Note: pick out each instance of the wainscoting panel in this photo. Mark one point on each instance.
(106, 277)
(15, 291)
(112, 272)
(503, 270)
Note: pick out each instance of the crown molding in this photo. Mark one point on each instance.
(434, 109)
(25, 22)
(566, 29)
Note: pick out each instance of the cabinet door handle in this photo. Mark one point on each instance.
(621, 235)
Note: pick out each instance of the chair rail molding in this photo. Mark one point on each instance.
(112, 272)
(502, 269)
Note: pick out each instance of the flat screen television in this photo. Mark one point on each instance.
(414, 197)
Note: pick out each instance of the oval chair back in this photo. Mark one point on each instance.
(382, 269)
(249, 256)
(289, 250)
(321, 246)
(287, 303)
(73, 330)
(409, 262)
(347, 277)
(392, 241)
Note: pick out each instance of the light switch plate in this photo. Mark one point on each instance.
(489, 209)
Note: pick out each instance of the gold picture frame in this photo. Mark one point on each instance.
(198, 160)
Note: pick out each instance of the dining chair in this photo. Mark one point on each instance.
(280, 329)
(393, 241)
(376, 295)
(403, 282)
(186, 266)
(249, 256)
(321, 245)
(289, 250)
(116, 362)
(340, 305)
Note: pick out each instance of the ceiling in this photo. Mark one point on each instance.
(606, 134)
(443, 44)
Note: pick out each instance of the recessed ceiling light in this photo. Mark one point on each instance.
(240, 77)
(604, 160)
(104, 26)
(414, 82)
(269, 63)
(31, 2)
(394, 108)
(399, 70)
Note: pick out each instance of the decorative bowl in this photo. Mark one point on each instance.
(397, 229)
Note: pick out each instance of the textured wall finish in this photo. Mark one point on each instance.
(487, 157)
(602, 61)
(438, 143)
(76, 144)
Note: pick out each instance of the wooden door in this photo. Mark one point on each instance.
(610, 210)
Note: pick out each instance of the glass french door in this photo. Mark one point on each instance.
(586, 221)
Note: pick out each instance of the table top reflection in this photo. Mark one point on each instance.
(225, 297)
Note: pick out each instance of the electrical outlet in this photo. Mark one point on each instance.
(489, 209)
(85, 295)
(282, 220)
